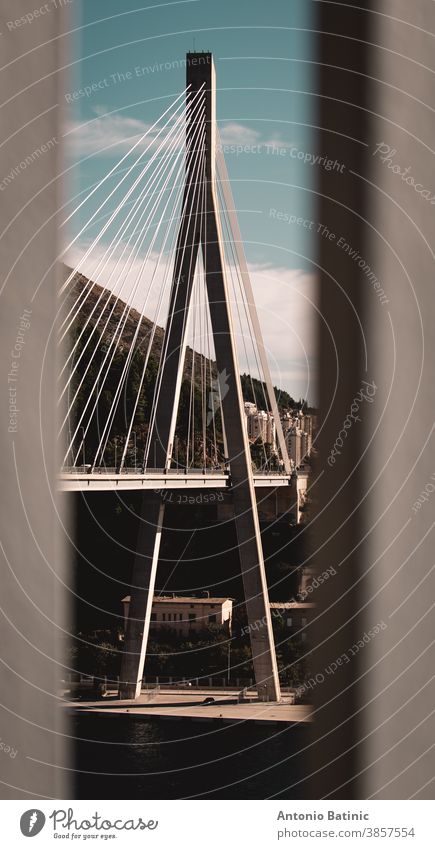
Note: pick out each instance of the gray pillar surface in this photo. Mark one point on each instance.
(398, 721)
(339, 525)
(374, 723)
(33, 555)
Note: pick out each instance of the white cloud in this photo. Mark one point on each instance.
(286, 305)
(103, 135)
(234, 133)
(285, 301)
(112, 135)
(109, 134)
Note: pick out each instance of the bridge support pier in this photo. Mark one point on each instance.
(142, 593)
(201, 78)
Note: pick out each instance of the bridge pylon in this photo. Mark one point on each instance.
(202, 229)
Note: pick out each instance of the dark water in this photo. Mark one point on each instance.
(138, 758)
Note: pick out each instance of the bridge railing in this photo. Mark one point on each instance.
(135, 470)
(173, 472)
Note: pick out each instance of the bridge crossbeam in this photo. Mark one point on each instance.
(106, 481)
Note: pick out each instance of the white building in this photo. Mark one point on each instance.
(257, 425)
(298, 446)
(186, 613)
(305, 423)
(271, 431)
(287, 421)
(296, 615)
(301, 488)
(250, 408)
(305, 450)
(294, 445)
(261, 425)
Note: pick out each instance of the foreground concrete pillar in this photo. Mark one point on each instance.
(33, 556)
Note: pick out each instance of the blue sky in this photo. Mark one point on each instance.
(262, 52)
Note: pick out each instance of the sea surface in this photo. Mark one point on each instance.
(142, 758)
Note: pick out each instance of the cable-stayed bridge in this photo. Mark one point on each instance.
(151, 409)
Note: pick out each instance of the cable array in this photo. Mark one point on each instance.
(111, 382)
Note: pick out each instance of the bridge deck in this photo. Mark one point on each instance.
(177, 706)
(155, 479)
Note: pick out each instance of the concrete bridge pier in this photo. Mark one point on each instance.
(142, 594)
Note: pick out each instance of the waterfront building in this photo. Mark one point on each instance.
(295, 615)
(185, 614)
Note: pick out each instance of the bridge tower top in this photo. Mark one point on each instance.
(200, 73)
